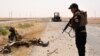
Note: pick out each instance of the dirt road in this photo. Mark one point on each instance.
(62, 44)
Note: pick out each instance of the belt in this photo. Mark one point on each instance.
(83, 31)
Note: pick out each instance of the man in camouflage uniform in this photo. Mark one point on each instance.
(78, 23)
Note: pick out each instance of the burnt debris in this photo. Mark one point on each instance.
(14, 35)
(15, 40)
(39, 42)
(6, 49)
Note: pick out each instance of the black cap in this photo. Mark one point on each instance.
(73, 5)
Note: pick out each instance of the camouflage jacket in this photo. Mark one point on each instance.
(78, 20)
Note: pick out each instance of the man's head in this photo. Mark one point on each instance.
(73, 7)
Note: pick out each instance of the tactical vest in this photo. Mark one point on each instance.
(83, 17)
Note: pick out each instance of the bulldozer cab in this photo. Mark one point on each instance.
(56, 14)
(56, 17)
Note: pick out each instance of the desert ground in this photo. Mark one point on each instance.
(60, 44)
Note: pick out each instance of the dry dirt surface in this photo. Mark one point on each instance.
(28, 29)
(60, 44)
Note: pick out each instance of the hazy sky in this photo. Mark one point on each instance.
(46, 8)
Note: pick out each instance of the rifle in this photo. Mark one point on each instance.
(66, 27)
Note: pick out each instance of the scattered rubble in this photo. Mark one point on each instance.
(16, 41)
(50, 53)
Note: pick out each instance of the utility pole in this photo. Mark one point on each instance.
(10, 14)
(95, 14)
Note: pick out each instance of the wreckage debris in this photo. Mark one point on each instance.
(21, 43)
(39, 43)
(7, 49)
(14, 35)
(15, 40)
(50, 53)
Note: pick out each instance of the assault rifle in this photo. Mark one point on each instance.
(68, 24)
